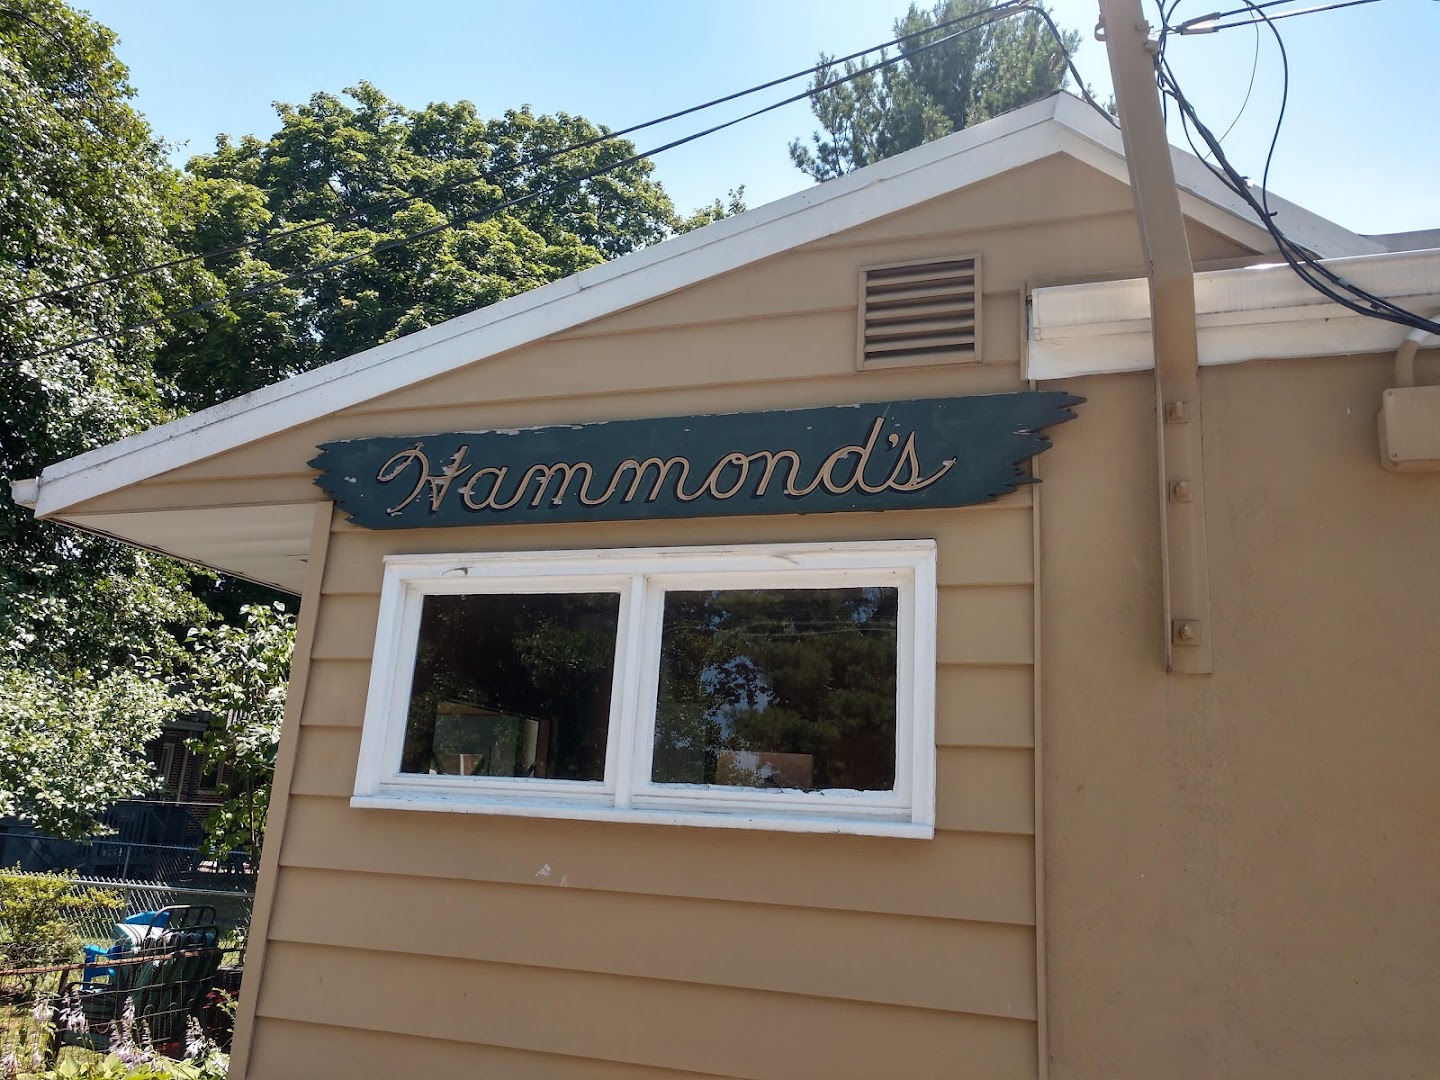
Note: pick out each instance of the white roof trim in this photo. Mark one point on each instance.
(1208, 201)
(1057, 124)
(1245, 314)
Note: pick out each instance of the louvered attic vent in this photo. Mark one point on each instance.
(920, 313)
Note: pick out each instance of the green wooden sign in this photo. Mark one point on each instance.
(890, 455)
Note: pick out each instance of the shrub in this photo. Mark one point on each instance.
(36, 917)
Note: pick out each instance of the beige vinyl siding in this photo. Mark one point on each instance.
(925, 945)
(779, 334)
(657, 1023)
(784, 950)
(544, 948)
(617, 946)
(1284, 811)
(985, 545)
(310, 1051)
(978, 876)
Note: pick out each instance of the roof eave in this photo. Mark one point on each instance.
(1243, 314)
(729, 244)
(1054, 125)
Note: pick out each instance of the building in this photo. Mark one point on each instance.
(993, 838)
(159, 839)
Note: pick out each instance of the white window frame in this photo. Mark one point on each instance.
(641, 576)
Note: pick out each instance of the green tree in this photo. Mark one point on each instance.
(999, 66)
(332, 160)
(39, 915)
(239, 679)
(70, 743)
(86, 194)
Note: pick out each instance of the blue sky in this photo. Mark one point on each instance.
(1360, 143)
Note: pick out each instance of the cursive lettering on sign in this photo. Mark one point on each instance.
(726, 478)
(890, 455)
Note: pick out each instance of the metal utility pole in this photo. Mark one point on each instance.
(1172, 315)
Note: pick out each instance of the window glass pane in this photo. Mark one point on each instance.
(778, 688)
(513, 685)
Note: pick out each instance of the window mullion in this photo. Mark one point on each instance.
(629, 669)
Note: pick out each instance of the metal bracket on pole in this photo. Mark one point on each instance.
(1185, 565)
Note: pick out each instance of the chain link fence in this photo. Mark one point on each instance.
(232, 909)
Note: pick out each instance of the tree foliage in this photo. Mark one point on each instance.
(239, 680)
(86, 194)
(92, 632)
(511, 207)
(926, 95)
(70, 743)
(38, 914)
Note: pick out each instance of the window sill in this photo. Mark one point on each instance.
(779, 822)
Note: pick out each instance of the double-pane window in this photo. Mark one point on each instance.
(785, 686)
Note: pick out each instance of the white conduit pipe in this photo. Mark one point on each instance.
(1405, 356)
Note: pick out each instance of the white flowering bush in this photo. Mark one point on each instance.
(72, 744)
(240, 674)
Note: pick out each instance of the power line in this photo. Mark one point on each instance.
(989, 15)
(389, 205)
(1303, 262)
(1209, 24)
(1249, 87)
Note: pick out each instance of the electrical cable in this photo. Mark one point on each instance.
(1207, 24)
(1249, 88)
(389, 205)
(994, 14)
(1232, 179)
(1301, 261)
(1039, 9)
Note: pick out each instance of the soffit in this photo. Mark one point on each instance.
(268, 544)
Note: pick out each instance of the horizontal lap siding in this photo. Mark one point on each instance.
(983, 545)
(291, 1050)
(839, 953)
(984, 877)
(647, 1022)
(576, 948)
(955, 966)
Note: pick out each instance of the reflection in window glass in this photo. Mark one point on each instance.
(778, 688)
(513, 685)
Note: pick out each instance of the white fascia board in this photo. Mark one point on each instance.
(1252, 313)
(969, 156)
(25, 492)
(1056, 124)
(1211, 203)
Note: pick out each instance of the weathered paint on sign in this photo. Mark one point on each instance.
(885, 456)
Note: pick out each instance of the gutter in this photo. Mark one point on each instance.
(25, 492)
(1251, 313)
